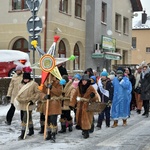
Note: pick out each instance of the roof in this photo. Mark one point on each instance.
(136, 5)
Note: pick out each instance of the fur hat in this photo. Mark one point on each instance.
(26, 75)
(19, 68)
(85, 77)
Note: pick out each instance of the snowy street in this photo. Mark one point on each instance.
(135, 136)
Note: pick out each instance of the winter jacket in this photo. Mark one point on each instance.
(14, 86)
(121, 99)
(68, 91)
(108, 87)
(84, 118)
(55, 100)
(28, 92)
(145, 87)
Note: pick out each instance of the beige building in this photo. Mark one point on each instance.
(78, 32)
(141, 41)
(58, 17)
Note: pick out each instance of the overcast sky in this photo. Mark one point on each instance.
(146, 7)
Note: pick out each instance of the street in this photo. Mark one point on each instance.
(135, 136)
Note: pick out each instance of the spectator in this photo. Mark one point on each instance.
(12, 93)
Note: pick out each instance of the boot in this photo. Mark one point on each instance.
(31, 131)
(107, 123)
(53, 136)
(63, 129)
(92, 128)
(22, 135)
(70, 127)
(85, 134)
(115, 124)
(48, 135)
(42, 130)
(124, 122)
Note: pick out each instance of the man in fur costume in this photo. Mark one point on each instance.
(28, 93)
(54, 107)
(67, 94)
(83, 95)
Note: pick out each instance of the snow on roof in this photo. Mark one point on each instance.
(139, 25)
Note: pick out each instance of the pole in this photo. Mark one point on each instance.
(33, 15)
(47, 107)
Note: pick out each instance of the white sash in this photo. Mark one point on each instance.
(26, 86)
(103, 91)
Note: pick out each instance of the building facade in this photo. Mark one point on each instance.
(141, 40)
(81, 25)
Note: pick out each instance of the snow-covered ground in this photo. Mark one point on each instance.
(135, 136)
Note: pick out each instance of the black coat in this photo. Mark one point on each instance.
(145, 87)
(110, 88)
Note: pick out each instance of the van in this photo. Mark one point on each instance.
(9, 59)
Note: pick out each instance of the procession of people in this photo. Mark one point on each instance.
(120, 90)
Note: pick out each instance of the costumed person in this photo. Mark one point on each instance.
(84, 94)
(12, 93)
(121, 98)
(106, 91)
(54, 107)
(41, 103)
(131, 77)
(137, 89)
(67, 93)
(145, 91)
(28, 94)
(95, 86)
(62, 70)
(76, 79)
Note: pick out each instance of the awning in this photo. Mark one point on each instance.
(107, 55)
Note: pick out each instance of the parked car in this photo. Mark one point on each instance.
(9, 59)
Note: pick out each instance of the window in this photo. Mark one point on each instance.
(21, 45)
(104, 10)
(76, 62)
(118, 22)
(125, 25)
(62, 50)
(63, 6)
(147, 49)
(134, 42)
(19, 4)
(78, 8)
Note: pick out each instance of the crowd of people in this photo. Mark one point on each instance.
(121, 90)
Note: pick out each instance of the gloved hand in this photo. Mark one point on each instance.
(31, 103)
(49, 86)
(63, 94)
(47, 97)
(92, 95)
(71, 108)
(8, 98)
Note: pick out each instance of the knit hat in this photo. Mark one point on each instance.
(104, 73)
(78, 76)
(119, 72)
(93, 79)
(65, 77)
(18, 68)
(85, 77)
(26, 75)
